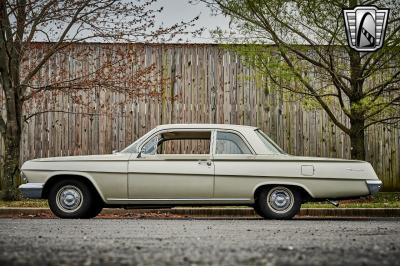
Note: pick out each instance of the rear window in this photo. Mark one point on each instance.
(230, 143)
(268, 143)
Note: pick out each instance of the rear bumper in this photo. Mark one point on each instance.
(374, 186)
(31, 190)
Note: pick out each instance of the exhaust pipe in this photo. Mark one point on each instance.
(334, 203)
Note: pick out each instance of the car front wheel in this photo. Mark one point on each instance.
(278, 202)
(72, 199)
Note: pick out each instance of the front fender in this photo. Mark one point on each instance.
(85, 175)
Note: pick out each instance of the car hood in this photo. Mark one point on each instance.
(73, 162)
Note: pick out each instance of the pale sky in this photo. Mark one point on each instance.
(174, 12)
(178, 10)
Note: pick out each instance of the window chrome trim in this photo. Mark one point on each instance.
(214, 143)
(144, 142)
(213, 139)
(245, 141)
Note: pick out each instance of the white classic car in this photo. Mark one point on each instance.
(195, 164)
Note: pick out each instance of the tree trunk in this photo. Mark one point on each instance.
(357, 117)
(357, 139)
(11, 165)
(11, 137)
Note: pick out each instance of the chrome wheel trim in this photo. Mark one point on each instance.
(69, 198)
(280, 199)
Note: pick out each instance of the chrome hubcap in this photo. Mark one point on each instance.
(69, 198)
(280, 199)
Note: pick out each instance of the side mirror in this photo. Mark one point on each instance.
(114, 151)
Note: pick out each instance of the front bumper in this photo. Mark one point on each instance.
(374, 186)
(31, 190)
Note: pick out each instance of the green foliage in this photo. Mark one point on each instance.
(310, 103)
(284, 40)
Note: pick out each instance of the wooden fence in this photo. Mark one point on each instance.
(186, 84)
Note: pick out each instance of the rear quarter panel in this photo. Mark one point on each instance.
(330, 179)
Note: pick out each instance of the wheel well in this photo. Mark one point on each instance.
(304, 194)
(54, 179)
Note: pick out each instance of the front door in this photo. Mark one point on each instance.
(173, 165)
(233, 161)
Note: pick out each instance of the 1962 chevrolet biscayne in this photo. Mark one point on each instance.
(195, 164)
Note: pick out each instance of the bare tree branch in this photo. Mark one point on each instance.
(396, 119)
(281, 47)
(26, 118)
(380, 88)
(318, 26)
(56, 46)
(382, 107)
(64, 23)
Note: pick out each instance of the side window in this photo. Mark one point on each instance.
(184, 146)
(179, 142)
(230, 143)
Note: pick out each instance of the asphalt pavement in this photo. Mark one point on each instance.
(200, 242)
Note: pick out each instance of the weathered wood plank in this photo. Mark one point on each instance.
(189, 83)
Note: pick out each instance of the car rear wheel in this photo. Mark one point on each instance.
(71, 198)
(278, 202)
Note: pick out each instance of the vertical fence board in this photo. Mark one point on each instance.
(191, 83)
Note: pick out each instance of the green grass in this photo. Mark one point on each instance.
(25, 203)
(381, 200)
(352, 205)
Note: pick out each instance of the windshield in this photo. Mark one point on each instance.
(133, 148)
(271, 146)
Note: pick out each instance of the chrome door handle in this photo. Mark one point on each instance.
(200, 162)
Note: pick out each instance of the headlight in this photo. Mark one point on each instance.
(23, 176)
(374, 186)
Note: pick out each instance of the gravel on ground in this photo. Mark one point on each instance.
(356, 241)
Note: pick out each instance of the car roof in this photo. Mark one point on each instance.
(206, 126)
